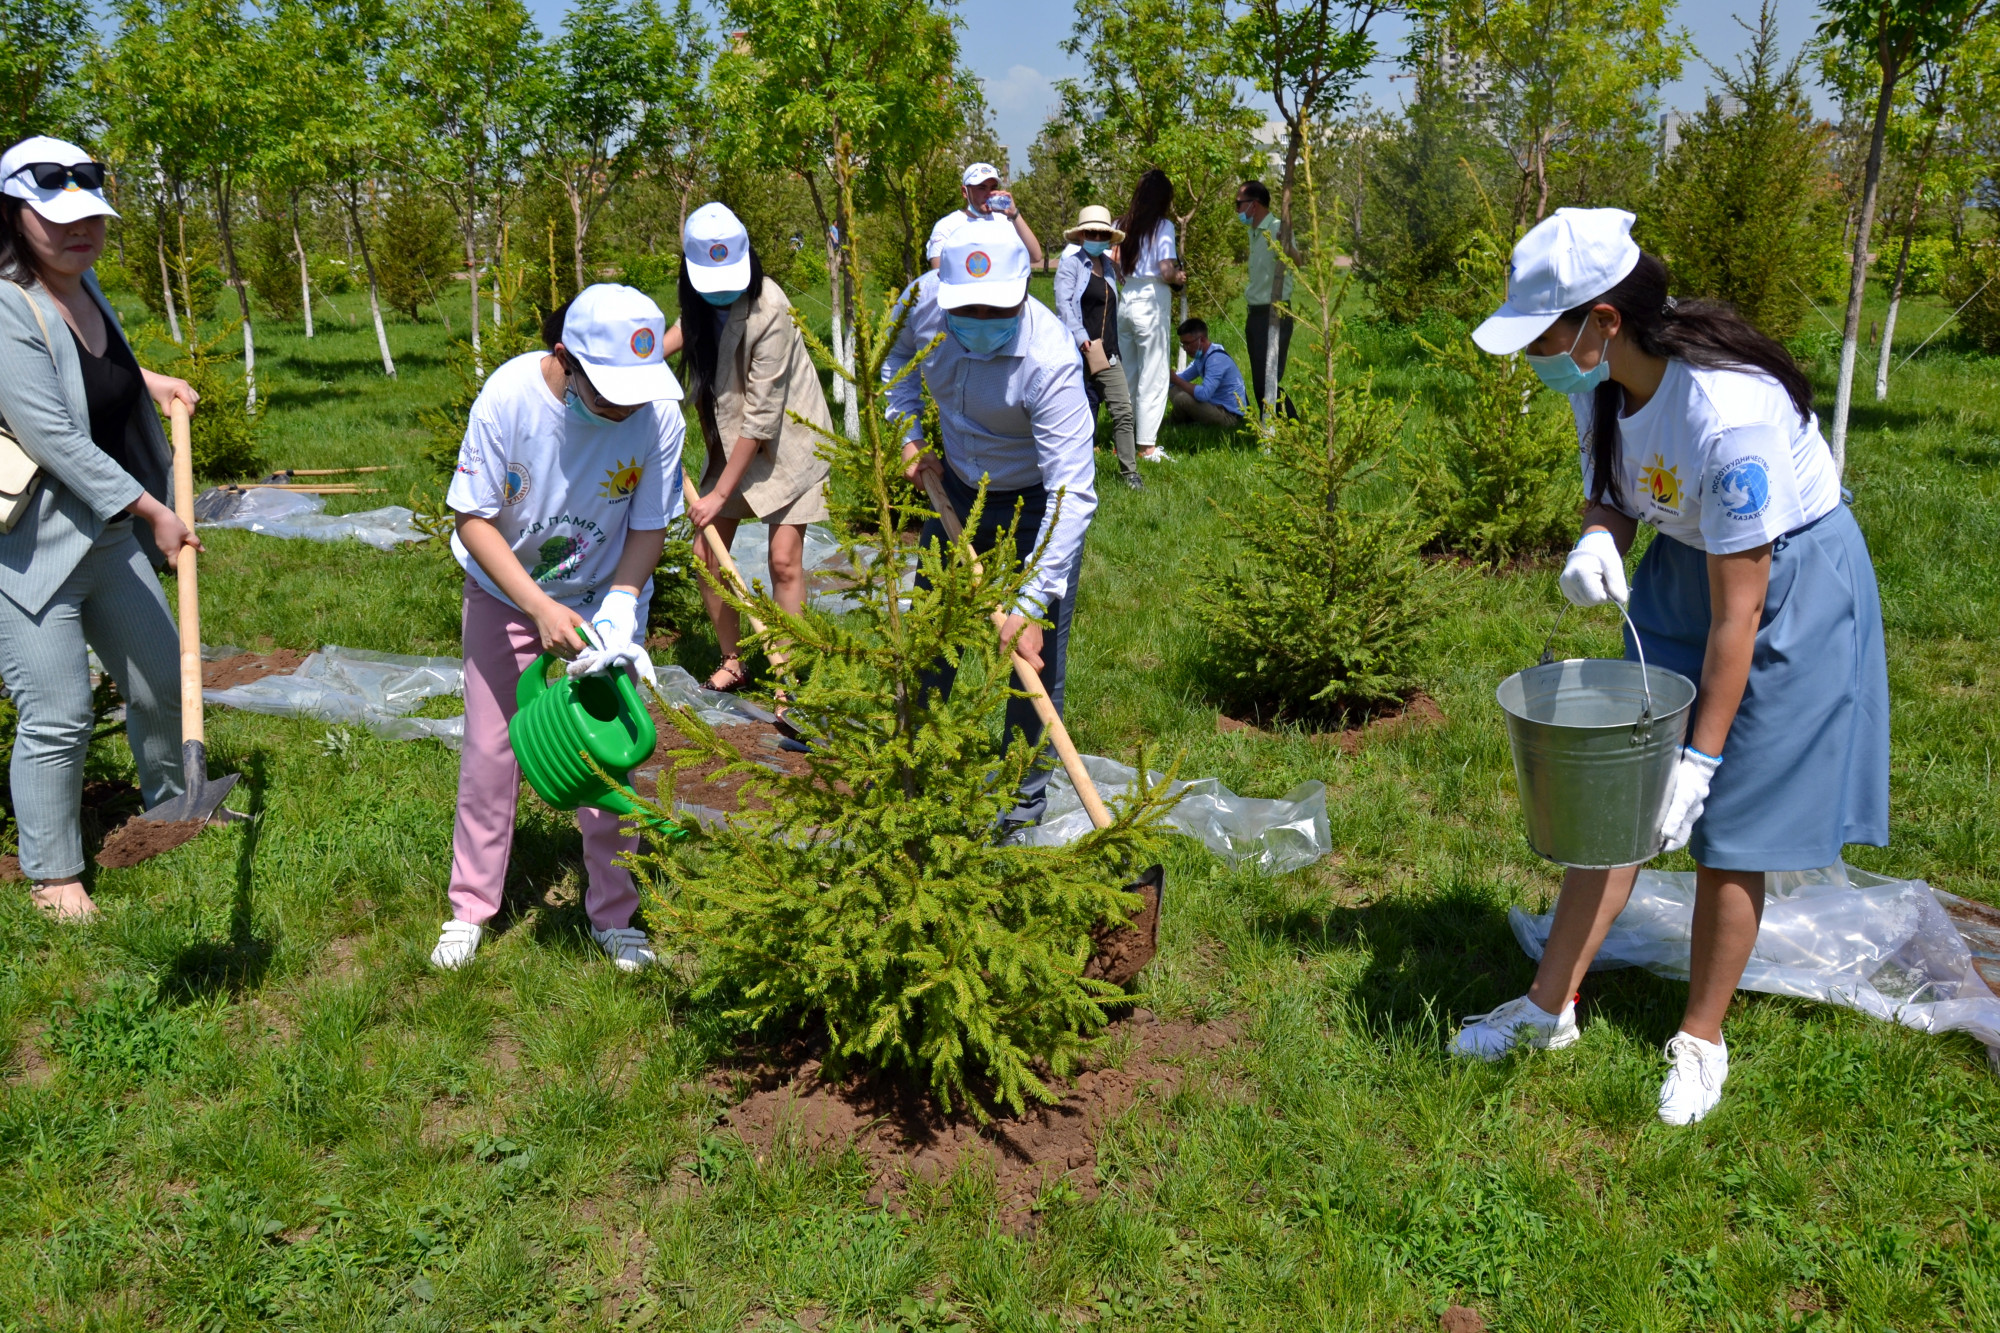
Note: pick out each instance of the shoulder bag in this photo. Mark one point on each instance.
(1094, 357)
(18, 472)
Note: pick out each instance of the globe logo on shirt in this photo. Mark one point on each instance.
(718, 252)
(515, 484)
(642, 343)
(977, 264)
(1744, 488)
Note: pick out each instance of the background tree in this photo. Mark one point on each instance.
(871, 78)
(1569, 91)
(676, 137)
(468, 76)
(1161, 89)
(600, 86)
(45, 50)
(1744, 203)
(1895, 34)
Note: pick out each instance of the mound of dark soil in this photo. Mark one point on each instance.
(229, 672)
(1416, 712)
(904, 1137)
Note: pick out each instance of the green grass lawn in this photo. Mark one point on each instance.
(243, 1099)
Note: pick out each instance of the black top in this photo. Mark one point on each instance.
(1100, 305)
(113, 389)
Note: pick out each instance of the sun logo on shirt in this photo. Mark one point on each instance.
(620, 481)
(1663, 484)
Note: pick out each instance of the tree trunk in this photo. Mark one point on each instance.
(472, 289)
(840, 387)
(1857, 283)
(222, 200)
(187, 297)
(305, 272)
(356, 230)
(577, 228)
(1272, 340)
(1896, 292)
(847, 302)
(167, 282)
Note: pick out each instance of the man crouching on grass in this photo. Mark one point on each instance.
(1009, 388)
(568, 476)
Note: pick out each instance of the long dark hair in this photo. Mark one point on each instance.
(17, 260)
(1708, 334)
(1152, 199)
(701, 340)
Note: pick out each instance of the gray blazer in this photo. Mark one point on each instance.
(81, 489)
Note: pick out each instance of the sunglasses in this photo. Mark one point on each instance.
(54, 175)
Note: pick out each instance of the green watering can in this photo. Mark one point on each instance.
(558, 723)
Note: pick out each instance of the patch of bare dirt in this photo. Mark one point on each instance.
(1979, 925)
(755, 741)
(1462, 1319)
(904, 1137)
(1412, 714)
(229, 672)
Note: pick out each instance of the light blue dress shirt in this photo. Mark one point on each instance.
(1017, 417)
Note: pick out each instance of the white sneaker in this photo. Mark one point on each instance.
(1490, 1036)
(627, 946)
(1694, 1084)
(457, 942)
(1156, 455)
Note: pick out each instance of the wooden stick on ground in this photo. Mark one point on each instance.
(1031, 680)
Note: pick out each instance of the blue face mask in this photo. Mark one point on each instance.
(1095, 248)
(1561, 373)
(574, 402)
(723, 298)
(1244, 218)
(983, 337)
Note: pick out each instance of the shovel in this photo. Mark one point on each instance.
(202, 797)
(1120, 953)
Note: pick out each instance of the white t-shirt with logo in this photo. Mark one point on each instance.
(1718, 460)
(563, 492)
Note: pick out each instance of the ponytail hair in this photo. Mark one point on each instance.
(1706, 334)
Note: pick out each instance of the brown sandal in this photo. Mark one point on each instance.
(732, 680)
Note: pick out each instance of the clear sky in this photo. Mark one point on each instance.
(1016, 47)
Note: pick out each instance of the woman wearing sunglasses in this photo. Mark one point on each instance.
(76, 571)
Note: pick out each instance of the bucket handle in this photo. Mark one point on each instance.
(1645, 680)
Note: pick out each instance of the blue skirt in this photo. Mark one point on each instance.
(1806, 767)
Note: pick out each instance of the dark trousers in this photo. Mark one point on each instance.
(1256, 346)
(1032, 800)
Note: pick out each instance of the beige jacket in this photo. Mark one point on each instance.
(762, 374)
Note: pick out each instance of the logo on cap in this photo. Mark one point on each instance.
(977, 264)
(718, 252)
(642, 343)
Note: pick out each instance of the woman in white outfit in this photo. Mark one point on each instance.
(1149, 259)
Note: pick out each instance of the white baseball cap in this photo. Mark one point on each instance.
(984, 263)
(1568, 258)
(979, 173)
(717, 250)
(65, 202)
(616, 333)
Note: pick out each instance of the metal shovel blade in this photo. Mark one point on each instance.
(202, 796)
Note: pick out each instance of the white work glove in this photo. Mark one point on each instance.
(1689, 794)
(1595, 573)
(615, 628)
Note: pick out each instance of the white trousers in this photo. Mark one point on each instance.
(1145, 345)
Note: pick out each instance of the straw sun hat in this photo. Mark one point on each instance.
(1092, 218)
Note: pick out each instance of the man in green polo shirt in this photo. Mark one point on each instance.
(1268, 282)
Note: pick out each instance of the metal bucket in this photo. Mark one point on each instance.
(1595, 743)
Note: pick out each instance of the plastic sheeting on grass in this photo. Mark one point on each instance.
(277, 513)
(1272, 835)
(379, 691)
(751, 550)
(1839, 935)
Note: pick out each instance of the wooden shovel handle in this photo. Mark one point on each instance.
(1031, 680)
(721, 550)
(184, 578)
